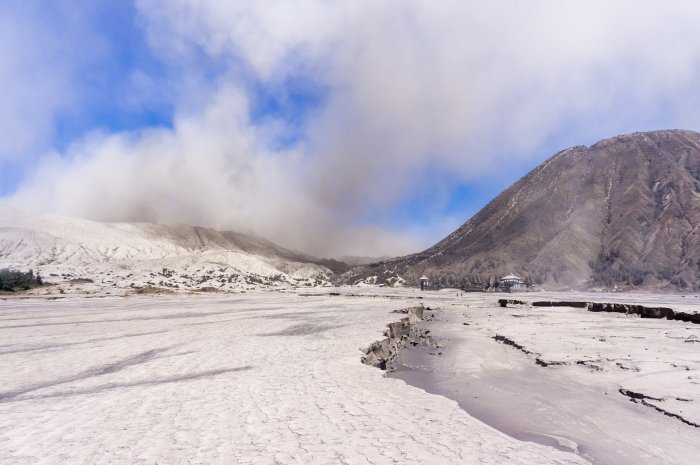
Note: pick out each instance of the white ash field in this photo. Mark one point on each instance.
(614, 388)
(276, 377)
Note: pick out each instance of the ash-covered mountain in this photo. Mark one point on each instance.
(142, 254)
(623, 212)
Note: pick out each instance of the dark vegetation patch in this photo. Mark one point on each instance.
(610, 268)
(16, 281)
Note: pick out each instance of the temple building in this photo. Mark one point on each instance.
(512, 282)
(423, 282)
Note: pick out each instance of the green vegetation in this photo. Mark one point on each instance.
(14, 281)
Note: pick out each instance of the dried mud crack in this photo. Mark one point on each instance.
(512, 343)
(383, 354)
(628, 309)
(540, 361)
(640, 398)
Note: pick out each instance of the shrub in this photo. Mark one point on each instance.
(12, 281)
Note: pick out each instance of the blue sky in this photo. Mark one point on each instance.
(114, 47)
(353, 127)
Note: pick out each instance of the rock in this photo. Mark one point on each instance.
(382, 354)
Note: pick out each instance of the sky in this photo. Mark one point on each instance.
(351, 127)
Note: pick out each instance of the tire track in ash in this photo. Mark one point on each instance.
(91, 373)
(147, 382)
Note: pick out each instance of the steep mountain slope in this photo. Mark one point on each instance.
(122, 254)
(623, 212)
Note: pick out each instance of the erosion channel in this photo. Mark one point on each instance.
(569, 406)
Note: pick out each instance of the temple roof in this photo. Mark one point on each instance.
(511, 277)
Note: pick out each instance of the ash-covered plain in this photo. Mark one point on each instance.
(612, 387)
(257, 378)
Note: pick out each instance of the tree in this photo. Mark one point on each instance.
(12, 281)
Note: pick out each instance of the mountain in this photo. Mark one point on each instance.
(623, 212)
(142, 254)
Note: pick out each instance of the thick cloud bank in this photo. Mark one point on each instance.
(398, 99)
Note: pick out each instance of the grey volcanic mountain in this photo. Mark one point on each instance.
(623, 212)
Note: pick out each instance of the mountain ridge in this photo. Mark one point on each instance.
(622, 212)
(147, 254)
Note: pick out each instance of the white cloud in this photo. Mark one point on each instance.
(212, 169)
(412, 87)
